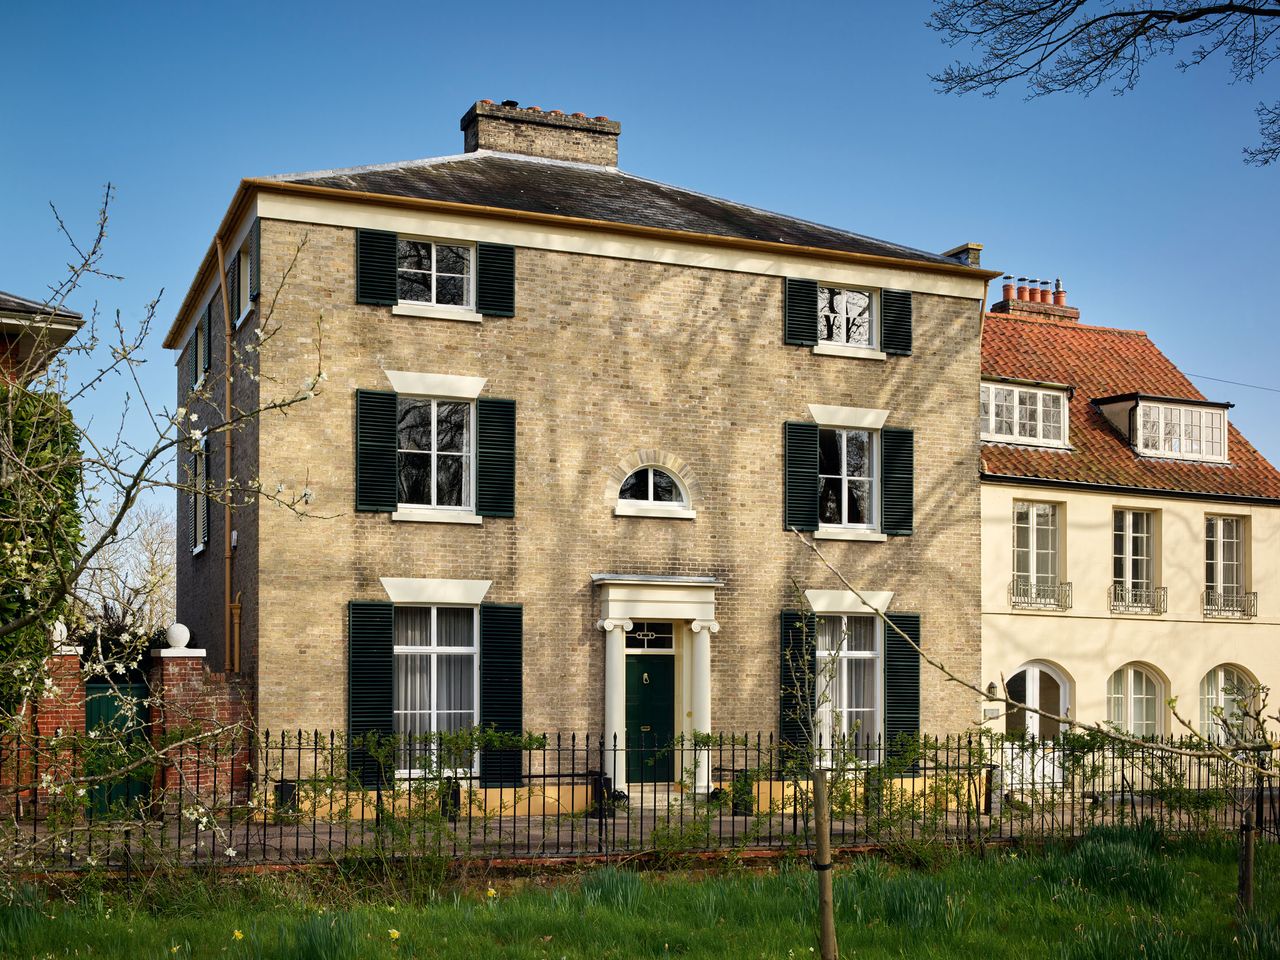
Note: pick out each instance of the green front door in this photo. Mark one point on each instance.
(103, 709)
(651, 717)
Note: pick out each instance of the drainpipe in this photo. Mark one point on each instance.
(229, 656)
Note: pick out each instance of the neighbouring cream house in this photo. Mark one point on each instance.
(571, 417)
(1131, 534)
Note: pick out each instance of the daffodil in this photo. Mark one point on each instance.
(237, 935)
(393, 934)
(491, 893)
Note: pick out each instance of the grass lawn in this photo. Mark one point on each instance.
(1116, 894)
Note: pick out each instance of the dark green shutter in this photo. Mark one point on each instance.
(370, 667)
(255, 259)
(202, 491)
(376, 267)
(800, 475)
(901, 681)
(501, 689)
(495, 457)
(376, 476)
(193, 372)
(190, 480)
(208, 335)
(895, 322)
(800, 312)
(897, 481)
(495, 280)
(233, 288)
(797, 681)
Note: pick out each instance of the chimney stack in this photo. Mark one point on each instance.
(1034, 299)
(509, 128)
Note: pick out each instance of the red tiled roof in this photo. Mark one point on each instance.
(1103, 362)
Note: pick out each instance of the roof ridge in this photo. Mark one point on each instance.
(1068, 324)
(429, 162)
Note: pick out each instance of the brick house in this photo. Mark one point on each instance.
(1129, 530)
(569, 415)
(30, 334)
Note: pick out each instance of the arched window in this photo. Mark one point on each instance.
(1133, 701)
(1224, 693)
(653, 485)
(1041, 687)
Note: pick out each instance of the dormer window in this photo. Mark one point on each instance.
(1014, 413)
(1180, 431)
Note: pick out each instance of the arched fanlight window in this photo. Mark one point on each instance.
(1133, 701)
(1225, 692)
(1040, 687)
(653, 485)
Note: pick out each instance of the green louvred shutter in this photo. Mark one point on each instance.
(376, 267)
(233, 287)
(191, 498)
(370, 645)
(897, 469)
(495, 457)
(495, 280)
(202, 490)
(376, 474)
(800, 475)
(193, 372)
(895, 322)
(208, 335)
(797, 684)
(501, 689)
(901, 681)
(800, 312)
(255, 259)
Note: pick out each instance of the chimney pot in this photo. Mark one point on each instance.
(1059, 295)
(486, 101)
(1006, 291)
(602, 118)
(1022, 288)
(510, 103)
(580, 116)
(534, 109)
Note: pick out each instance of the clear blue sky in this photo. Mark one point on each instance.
(824, 110)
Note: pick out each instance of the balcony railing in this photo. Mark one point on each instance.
(1149, 600)
(1029, 595)
(1236, 606)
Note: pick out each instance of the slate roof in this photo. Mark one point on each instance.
(592, 192)
(1104, 362)
(12, 303)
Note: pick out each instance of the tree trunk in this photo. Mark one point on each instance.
(822, 864)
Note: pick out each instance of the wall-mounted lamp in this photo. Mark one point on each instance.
(991, 690)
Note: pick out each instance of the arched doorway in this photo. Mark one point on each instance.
(1041, 687)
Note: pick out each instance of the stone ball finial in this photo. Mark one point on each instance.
(177, 636)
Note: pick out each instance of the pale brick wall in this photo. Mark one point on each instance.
(605, 357)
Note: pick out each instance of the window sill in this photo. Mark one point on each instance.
(244, 315)
(844, 350)
(433, 312)
(624, 509)
(196, 551)
(850, 533)
(435, 516)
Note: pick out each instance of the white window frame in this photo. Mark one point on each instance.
(873, 319)
(873, 444)
(1127, 554)
(434, 651)
(1215, 566)
(1172, 425)
(830, 673)
(1040, 397)
(1212, 692)
(1121, 695)
(678, 510)
(468, 507)
(242, 283)
(198, 345)
(410, 306)
(1034, 534)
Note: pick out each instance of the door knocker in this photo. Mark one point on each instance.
(646, 678)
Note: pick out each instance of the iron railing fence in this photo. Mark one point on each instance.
(1035, 595)
(1230, 605)
(298, 797)
(1148, 600)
